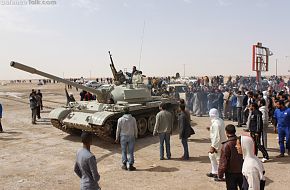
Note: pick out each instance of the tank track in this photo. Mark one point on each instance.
(71, 131)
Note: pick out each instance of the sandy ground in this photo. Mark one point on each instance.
(42, 157)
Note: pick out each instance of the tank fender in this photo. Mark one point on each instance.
(59, 113)
(99, 118)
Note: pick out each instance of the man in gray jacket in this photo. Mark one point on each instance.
(163, 127)
(127, 132)
(86, 165)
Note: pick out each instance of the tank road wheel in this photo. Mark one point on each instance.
(151, 123)
(142, 126)
(57, 124)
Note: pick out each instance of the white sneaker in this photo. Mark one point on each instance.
(264, 160)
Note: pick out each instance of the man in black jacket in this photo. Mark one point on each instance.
(230, 161)
(184, 130)
(256, 129)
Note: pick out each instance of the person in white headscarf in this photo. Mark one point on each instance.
(217, 136)
(253, 170)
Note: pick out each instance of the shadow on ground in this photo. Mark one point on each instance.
(191, 159)
(268, 181)
(112, 147)
(202, 159)
(159, 169)
(8, 139)
(202, 140)
(284, 160)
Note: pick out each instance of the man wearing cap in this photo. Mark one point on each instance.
(127, 132)
(86, 165)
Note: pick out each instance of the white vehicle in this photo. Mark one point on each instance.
(93, 84)
(179, 88)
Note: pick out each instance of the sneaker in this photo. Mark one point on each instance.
(211, 175)
(280, 156)
(124, 167)
(131, 168)
(264, 160)
(162, 158)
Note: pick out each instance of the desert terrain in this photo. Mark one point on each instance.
(42, 157)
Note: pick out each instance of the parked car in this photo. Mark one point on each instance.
(93, 84)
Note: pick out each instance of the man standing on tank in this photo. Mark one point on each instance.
(163, 127)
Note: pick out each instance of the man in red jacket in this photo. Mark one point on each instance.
(230, 161)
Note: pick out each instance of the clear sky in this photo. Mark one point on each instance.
(208, 37)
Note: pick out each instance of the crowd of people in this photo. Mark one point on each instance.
(233, 159)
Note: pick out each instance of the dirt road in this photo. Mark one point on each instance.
(42, 157)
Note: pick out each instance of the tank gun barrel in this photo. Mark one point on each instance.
(35, 71)
(119, 77)
(114, 71)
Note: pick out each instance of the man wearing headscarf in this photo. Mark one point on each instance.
(253, 170)
(217, 136)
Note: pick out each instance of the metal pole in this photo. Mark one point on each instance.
(276, 67)
(141, 47)
(287, 62)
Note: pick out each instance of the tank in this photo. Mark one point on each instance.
(99, 116)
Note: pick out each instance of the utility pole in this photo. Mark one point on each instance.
(287, 61)
(276, 67)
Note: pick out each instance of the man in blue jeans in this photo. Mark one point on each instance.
(127, 132)
(281, 115)
(163, 127)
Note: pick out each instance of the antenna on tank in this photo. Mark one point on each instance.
(142, 39)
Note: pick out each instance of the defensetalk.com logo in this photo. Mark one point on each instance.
(27, 2)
